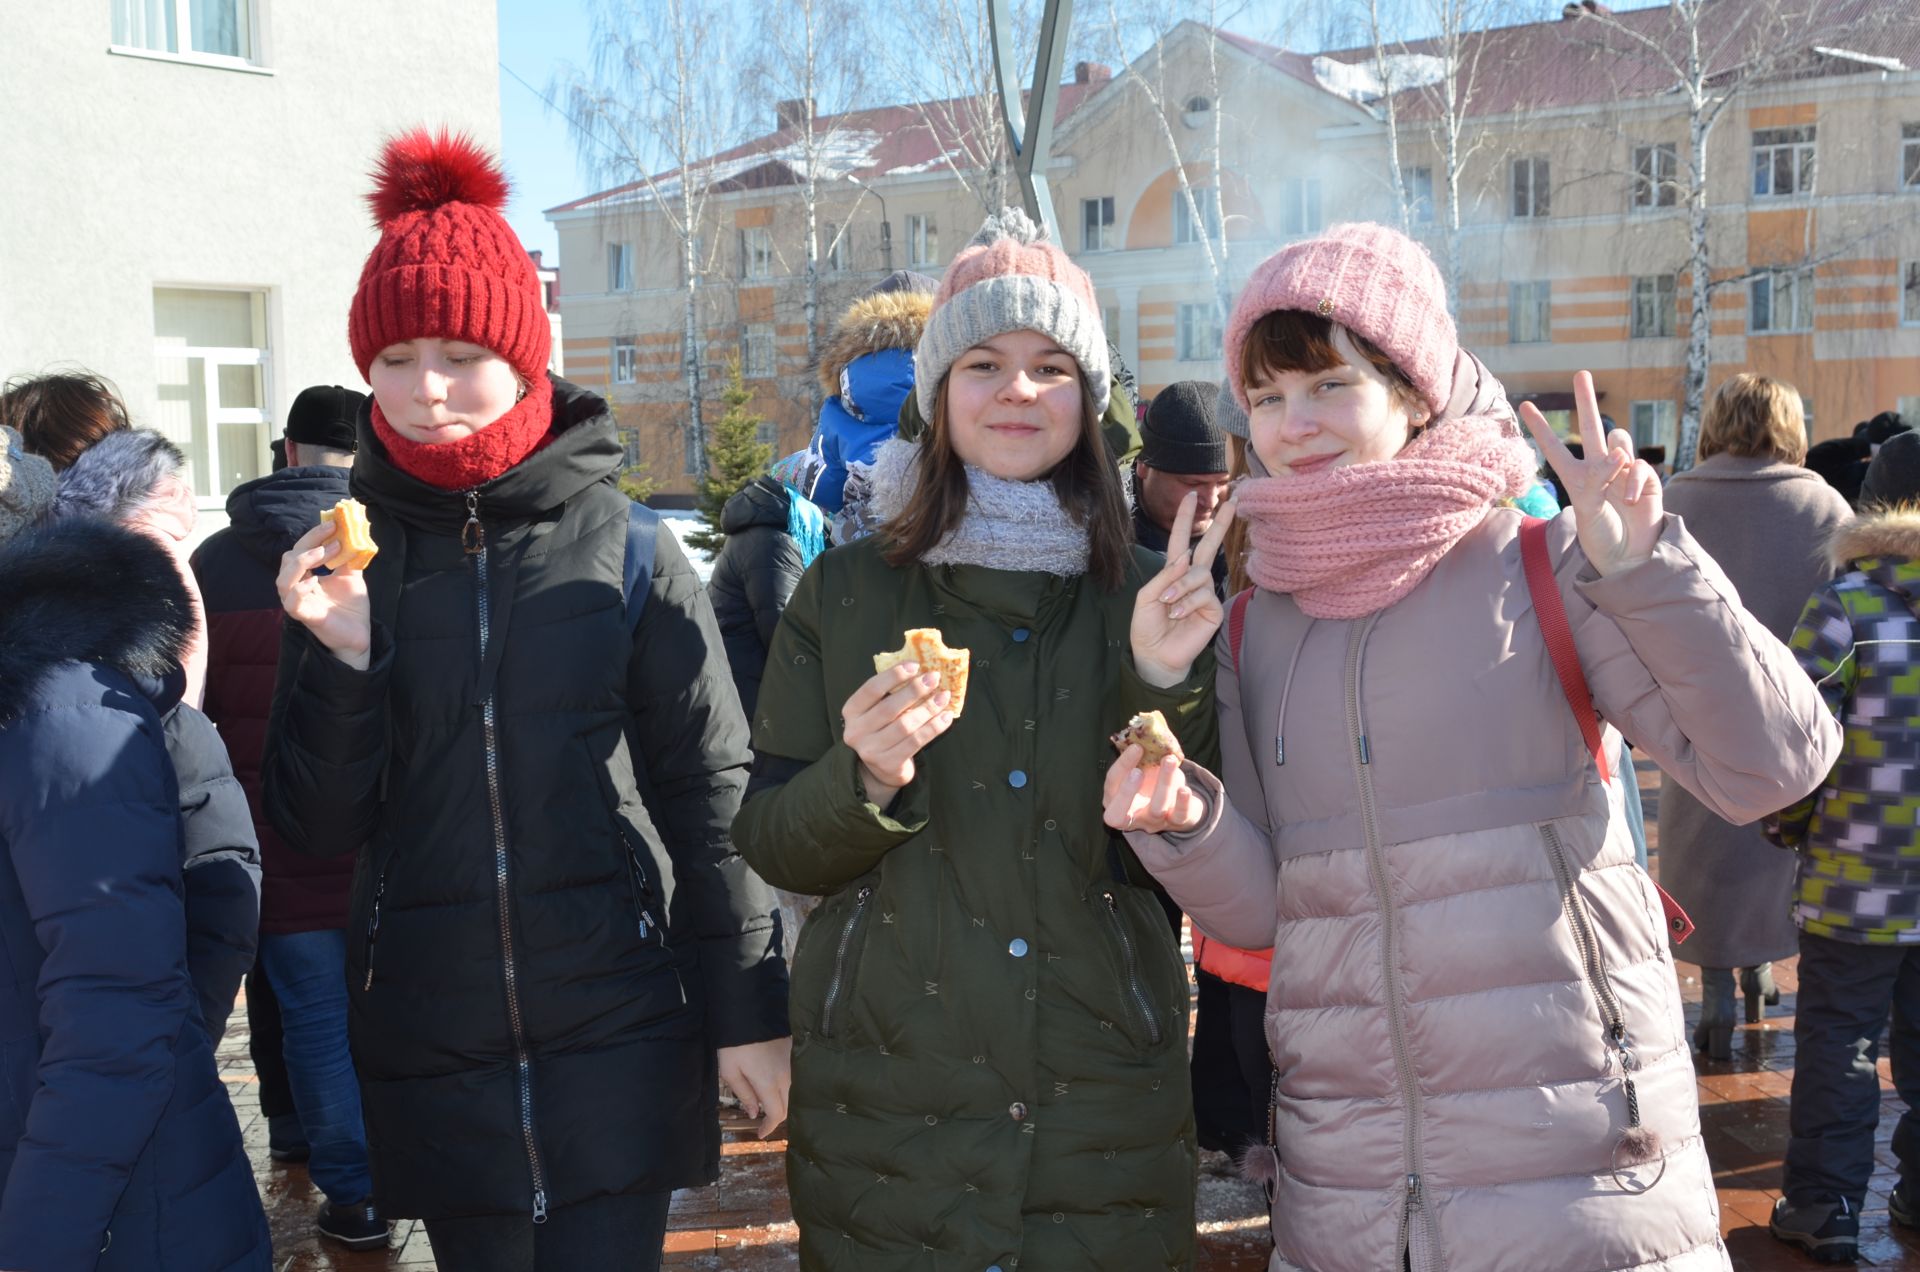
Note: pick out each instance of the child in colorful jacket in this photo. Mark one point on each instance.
(1857, 897)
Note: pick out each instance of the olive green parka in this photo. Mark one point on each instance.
(990, 1010)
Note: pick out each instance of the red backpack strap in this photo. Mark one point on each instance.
(1237, 624)
(1550, 609)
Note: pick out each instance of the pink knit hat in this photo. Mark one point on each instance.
(1374, 281)
(1010, 277)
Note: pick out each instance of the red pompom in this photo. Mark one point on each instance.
(420, 170)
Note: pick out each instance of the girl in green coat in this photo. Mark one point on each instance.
(989, 1011)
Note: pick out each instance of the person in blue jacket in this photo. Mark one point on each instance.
(119, 1150)
(866, 372)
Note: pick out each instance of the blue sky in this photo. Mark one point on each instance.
(536, 38)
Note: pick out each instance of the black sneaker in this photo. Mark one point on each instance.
(357, 1227)
(1900, 1207)
(286, 1142)
(1829, 1231)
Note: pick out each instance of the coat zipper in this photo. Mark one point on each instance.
(643, 891)
(838, 981)
(373, 924)
(1389, 950)
(473, 538)
(1135, 988)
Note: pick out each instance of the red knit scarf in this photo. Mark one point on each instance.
(479, 457)
(1351, 541)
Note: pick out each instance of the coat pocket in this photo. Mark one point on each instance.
(646, 901)
(1586, 939)
(1135, 992)
(374, 908)
(848, 940)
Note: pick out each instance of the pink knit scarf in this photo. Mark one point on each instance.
(1351, 541)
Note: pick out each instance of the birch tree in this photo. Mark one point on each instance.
(649, 115)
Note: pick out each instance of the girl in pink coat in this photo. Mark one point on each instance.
(1475, 1024)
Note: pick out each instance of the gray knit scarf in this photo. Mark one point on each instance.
(1010, 525)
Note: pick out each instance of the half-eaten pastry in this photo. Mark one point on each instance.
(925, 646)
(353, 545)
(1150, 733)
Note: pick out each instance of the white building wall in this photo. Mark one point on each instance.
(125, 173)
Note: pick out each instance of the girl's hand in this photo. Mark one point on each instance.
(1153, 800)
(888, 720)
(1616, 498)
(761, 1074)
(333, 606)
(1176, 613)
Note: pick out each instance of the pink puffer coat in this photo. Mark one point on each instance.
(1466, 958)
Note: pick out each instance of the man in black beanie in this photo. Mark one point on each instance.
(1182, 450)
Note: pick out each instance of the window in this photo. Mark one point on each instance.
(767, 433)
(1300, 206)
(1910, 156)
(1198, 105)
(1909, 408)
(630, 447)
(1532, 189)
(1096, 224)
(202, 28)
(1529, 312)
(625, 354)
(1656, 175)
(756, 352)
(923, 240)
(211, 348)
(839, 245)
(1782, 162)
(1199, 332)
(1654, 306)
(1910, 294)
(1185, 228)
(619, 267)
(1420, 204)
(756, 252)
(1780, 302)
(1656, 424)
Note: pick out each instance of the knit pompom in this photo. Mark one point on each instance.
(421, 170)
(1010, 223)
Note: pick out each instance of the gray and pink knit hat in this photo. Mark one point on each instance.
(1371, 279)
(1009, 277)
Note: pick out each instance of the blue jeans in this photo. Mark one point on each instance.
(309, 975)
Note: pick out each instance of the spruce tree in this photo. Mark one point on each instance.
(736, 455)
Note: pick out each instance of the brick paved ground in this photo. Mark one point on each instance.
(742, 1223)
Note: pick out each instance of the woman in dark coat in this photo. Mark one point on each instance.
(119, 1150)
(550, 936)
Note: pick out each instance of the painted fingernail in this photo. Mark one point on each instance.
(1178, 612)
(1167, 595)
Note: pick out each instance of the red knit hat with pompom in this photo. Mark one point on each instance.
(447, 265)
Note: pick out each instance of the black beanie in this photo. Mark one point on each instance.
(324, 416)
(1179, 434)
(1893, 477)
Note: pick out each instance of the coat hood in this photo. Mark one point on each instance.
(581, 449)
(1890, 540)
(883, 320)
(761, 502)
(86, 590)
(268, 513)
(130, 476)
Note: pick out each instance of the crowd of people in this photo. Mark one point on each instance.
(526, 844)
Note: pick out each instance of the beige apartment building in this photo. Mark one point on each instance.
(185, 206)
(1571, 244)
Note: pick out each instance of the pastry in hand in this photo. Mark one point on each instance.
(925, 646)
(1150, 733)
(353, 544)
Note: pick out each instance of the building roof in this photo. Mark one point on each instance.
(884, 141)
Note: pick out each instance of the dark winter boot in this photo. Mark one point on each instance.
(1829, 1231)
(286, 1142)
(1901, 1207)
(1713, 1037)
(357, 1227)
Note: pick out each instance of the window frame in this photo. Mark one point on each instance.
(923, 239)
(619, 267)
(1771, 279)
(1910, 158)
(1539, 303)
(1798, 147)
(630, 348)
(1096, 224)
(1192, 318)
(1302, 211)
(1539, 188)
(1652, 190)
(756, 252)
(759, 335)
(1423, 208)
(1665, 316)
(206, 457)
(839, 247)
(1208, 197)
(1664, 422)
(251, 27)
(1910, 293)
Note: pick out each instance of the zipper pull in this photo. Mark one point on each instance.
(1279, 749)
(540, 1205)
(473, 535)
(1366, 752)
(1413, 1192)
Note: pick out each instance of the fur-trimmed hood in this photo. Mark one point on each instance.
(86, 590)
(1894, 533)
(882, 320)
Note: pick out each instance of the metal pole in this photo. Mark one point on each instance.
(1030, 131)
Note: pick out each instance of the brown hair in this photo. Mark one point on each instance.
(61, 414)
(1086, 481)
(1294, 340)
(1757, 417)
(1237, 545)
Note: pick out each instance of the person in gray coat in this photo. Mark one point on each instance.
(1765, 519)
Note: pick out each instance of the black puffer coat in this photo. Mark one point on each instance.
(753, 577)
(526, 1032)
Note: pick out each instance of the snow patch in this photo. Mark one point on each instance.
(683, 523)
(1365, 83)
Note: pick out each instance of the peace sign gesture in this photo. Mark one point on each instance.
(1176, 614)
(1616, 498)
